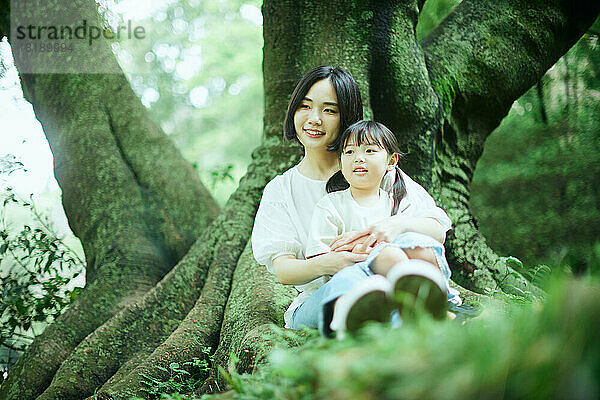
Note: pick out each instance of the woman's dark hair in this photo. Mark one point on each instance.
(346, 90)
(370, 132)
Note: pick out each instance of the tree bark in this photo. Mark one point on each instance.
(137, 206)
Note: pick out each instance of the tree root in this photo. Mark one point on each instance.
(256, 299)
(97, 303)
(142, 325)
(196, 333)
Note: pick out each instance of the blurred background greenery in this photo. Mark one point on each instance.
(201, 80)
(536, 188)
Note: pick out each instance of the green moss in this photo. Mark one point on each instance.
(445, 89)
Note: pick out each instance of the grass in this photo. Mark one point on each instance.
(543, 349)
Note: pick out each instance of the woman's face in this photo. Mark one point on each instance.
(317, 119)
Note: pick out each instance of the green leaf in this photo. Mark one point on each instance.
(514, 262)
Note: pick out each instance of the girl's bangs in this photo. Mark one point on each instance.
(360, 136)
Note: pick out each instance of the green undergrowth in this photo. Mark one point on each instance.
(541, 349)
(182, 378)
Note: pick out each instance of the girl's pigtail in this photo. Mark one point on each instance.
(398, 190)
(336, 183)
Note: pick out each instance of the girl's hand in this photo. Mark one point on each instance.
(388, 229)
(332, 262)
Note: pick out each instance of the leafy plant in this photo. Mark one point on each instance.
(36, 267)
(182, 378)
(221, 174)
(10, 164)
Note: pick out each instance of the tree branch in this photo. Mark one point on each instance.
(485, 55)
(481, 58)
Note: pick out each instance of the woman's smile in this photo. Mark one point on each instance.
(313, 133)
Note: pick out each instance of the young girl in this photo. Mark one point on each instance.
(368, 152)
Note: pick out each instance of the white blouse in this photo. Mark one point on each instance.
(284, 215)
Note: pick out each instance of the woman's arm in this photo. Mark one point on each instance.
(292, 271)
(388, 229)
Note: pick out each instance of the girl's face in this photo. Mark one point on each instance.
(317, 119)
(364, 166)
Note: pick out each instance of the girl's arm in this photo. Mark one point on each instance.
(292, 271)
(388, 229)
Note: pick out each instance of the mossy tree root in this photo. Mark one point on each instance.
(139, 327)
(256, 299)
(198, 331)
(34, 370)
(233, 230)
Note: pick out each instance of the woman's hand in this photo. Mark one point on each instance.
(332, 262)
(349, 241)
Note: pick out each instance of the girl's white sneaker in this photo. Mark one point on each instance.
(367, 301)
(418, 285)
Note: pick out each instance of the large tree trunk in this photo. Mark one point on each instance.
(151, 297)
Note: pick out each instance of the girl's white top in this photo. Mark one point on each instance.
(283, 221)
(338, 213)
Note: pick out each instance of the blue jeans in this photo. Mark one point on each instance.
(317, 310)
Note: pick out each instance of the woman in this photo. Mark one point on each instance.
(325, 102)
